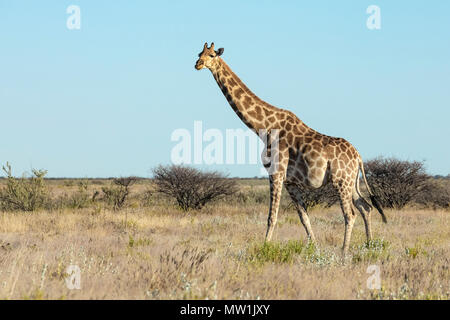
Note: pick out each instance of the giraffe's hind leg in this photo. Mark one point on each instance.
(295, 194)
(364, 208)
(349, 218)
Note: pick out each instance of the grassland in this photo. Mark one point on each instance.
(152, 250)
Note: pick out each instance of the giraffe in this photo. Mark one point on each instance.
(305, 156)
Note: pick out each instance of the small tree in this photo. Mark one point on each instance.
(192, 188)
(26, 194)
(117, 194)
(395, 182)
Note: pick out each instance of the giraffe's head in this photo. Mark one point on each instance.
(207, 57)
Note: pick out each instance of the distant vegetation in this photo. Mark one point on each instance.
(397, 184)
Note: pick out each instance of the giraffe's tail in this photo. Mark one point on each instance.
(373, 198)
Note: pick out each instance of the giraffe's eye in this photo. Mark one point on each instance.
(212, 56)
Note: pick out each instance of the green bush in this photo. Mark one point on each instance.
(25, 193)
(81, 198)
(276, 252)
(371, 251)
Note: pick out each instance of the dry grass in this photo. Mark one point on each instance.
(159, 252)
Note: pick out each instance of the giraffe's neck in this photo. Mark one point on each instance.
(253, 111)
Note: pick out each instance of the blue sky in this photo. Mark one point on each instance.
(103, 100)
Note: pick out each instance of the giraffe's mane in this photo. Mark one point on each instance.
(244, 87)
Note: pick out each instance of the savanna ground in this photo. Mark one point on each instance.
(152, 250)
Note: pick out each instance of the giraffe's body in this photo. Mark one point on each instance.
(305, 156)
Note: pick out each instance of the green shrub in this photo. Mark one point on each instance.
(25, 193)
(373, 250)
(413, 252)
(81, 198)
(138, 242)
(275, 252)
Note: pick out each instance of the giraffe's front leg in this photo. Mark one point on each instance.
(276, 186)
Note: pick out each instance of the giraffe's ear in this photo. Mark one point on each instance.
(219, 52)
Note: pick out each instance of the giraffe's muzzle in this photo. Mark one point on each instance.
(199, 65)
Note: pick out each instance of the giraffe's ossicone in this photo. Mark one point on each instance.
(304, 156)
